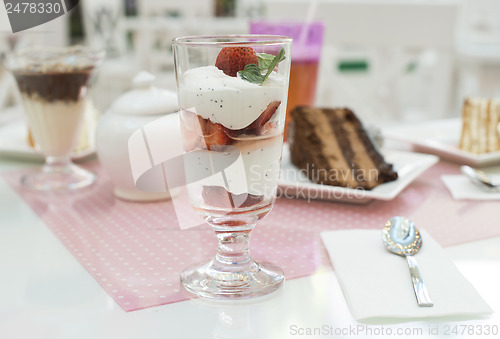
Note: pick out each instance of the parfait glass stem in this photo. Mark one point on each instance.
(57, 164)
(58, 174)
(233, 253)
(232, 273)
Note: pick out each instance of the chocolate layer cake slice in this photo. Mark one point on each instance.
(333, 148)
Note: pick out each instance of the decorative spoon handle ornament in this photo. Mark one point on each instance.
(421, 293)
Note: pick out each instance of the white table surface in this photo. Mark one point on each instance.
(46, 294)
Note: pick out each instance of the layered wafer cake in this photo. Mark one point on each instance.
(480, 119)
(332, 147)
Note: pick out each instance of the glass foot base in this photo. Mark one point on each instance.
(209, 282)
(59, 179)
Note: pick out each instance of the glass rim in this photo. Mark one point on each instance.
(228, 40)
(59, 50)
(39, 54)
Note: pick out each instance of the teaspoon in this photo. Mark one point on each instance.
(480, 179)
(401, 237)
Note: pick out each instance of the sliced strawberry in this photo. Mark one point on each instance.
(267, 128)
(218, 196)
(215, 135)
(233, 59)
(249, 199)
(232, 133)
(265, 116)
(202, 133)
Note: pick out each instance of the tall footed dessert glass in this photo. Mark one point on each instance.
(54, 85)
(232, 95)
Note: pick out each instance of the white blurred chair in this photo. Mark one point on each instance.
(407, 48)
(102, 20)
(478, 50)
(480, 22)
(104, 27)
(175, 8)
(159, 22)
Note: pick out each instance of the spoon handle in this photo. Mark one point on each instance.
(480, 179)
(421, 293)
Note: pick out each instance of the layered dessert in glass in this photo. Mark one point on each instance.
(232, 94)
(54, 103)
(53, 84)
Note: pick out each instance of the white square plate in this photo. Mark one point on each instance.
(440, 137)
(294, 183)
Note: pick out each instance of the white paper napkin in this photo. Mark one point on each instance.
(462, 188)
(377, 285)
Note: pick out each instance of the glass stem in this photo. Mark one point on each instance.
(233, 253)
(57, 164)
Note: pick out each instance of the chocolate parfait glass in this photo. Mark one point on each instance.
(54, 85)
(232, 94)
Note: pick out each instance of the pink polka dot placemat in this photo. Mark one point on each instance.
(136, 251)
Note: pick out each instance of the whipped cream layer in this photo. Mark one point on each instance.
(230, 101)
(255, 171)
(55, 125)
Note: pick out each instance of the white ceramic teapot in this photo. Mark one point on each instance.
(143, 104)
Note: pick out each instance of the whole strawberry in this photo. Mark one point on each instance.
(233, 59)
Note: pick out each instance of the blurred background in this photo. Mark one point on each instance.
(389, 60)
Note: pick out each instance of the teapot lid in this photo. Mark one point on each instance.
(145, 98)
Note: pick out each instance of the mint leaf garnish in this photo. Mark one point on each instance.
(267, 62)
(274, 62)
(252, 73)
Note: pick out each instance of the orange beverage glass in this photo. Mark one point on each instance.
(306, 53)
